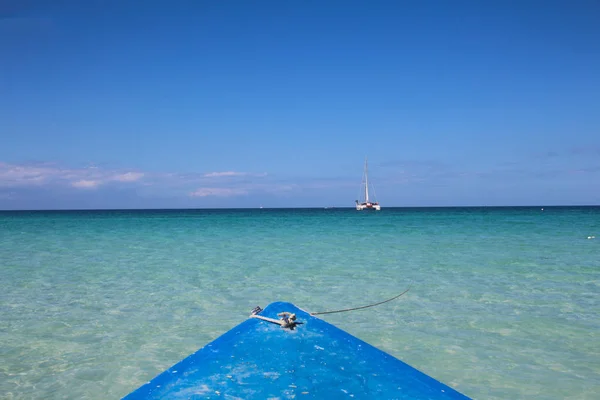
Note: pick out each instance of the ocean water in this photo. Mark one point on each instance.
(504, 302)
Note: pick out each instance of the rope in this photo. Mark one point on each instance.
(359, 308)
(288, 320)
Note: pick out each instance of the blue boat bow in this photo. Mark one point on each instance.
(259, 359)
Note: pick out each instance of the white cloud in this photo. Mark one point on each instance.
(28, 175)
(231, 173)
(199, 185)
(219, 192)
(220, 174)
(85, 184)
(18, 175)
(128, 177)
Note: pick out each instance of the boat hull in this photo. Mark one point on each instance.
(259, 360)
(363, 206)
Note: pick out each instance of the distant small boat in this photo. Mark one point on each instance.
(284, 352)
(366, 203)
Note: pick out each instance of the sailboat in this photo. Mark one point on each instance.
(367, 204)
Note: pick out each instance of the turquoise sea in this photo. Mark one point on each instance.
(504, 302)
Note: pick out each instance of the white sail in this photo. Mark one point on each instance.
(366, 182)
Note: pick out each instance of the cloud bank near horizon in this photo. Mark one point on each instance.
(565, 177)
(14, 177)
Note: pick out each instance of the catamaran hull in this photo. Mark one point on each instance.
(361, 207)
(259, 360)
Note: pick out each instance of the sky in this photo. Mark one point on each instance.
(202, 104)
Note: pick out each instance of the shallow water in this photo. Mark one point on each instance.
(504, 302)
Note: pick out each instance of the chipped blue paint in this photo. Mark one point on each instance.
(258, 359)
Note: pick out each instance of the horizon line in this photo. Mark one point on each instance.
(292, 208)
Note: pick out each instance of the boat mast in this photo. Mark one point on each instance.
(366, 182)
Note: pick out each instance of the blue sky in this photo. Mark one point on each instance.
(127, 104)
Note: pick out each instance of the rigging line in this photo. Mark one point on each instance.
(359, 308)
(374, 194)
(361, 191)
